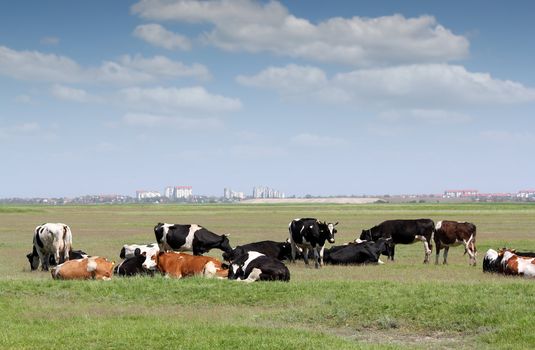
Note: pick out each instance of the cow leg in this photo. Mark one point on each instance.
(316, 257)
(321, 255)
(44, 258)
(305, 255)
(437, 253)
(391, 252)
(294, 249)
(446, 250)
(427, 249)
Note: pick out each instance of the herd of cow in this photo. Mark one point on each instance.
(52, 247)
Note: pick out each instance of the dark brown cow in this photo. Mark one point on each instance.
(452, 233)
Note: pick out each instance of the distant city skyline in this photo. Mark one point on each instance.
(308, 97)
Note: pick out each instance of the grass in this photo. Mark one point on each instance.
(400, 305)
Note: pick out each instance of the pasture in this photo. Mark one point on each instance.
(399, 305)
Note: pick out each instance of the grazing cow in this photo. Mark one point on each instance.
(50, 239)
(193, 238)
(254, 266)
(277, 250)
(133, 265)
(73, 254)
(357, 253)
(402, 232)
(308, 234)
(95, 267)
(178, 265)
(512, 264)
(491, 261)
(452, 233)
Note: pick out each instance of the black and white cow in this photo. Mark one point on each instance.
(491, 261)
(277, 250)
(403, 232)
(50, 239)
(357, 253)
(192, 237)
(133, 265)
(309, 233)
(73, 255)
(255, 266)
(130, 250)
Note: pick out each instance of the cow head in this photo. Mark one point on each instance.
(225, 244)
(33, 258)
(366, 235)
(328, 230)
(234, 272)
(285, 251)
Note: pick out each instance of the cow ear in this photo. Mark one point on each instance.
(144, 253)
(226, 234)
(336, 223)
(137, 251)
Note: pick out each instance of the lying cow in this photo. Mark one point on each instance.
(50, 240)
(133, 265)
(130, 250)
(403, 232)
(178, 265)
(310, 234)
(357, 253)
(73, 254)
(491, 261)
(192, 238)
(255, 266)
(452, 233)
(95, 267)
(512, 264)
(277, 250)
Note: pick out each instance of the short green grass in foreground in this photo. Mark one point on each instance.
(404, 304)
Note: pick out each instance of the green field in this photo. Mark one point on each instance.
(403, 304)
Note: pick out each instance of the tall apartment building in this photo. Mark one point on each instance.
(178, 192)
(230, 194)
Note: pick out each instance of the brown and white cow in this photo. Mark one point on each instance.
(512, 264)
(94, 267)
(178, 265)
(452, 233)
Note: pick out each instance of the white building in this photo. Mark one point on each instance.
(266, 192)
(526, 194)
(183, 192)
(142, 194)
(460, 193)
(169, 192)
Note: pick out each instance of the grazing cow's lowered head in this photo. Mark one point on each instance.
(33, 258)
(327, 228)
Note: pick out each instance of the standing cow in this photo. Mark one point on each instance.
(452, 233)
(192, 238)
(50, 240)
(403, 232)
(308, 234)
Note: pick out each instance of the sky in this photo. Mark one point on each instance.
(307, 97)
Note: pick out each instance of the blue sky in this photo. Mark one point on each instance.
(308, 97)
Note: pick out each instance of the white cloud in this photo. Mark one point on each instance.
(424, 87)
(312, 140)
(253, 26)
(161, 121)
(157, 35)
(34, 65)
(172, 99)
(504, 136)
(128, 70)
(73, 94)
(161, 66)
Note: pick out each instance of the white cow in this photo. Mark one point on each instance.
(50, 239)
